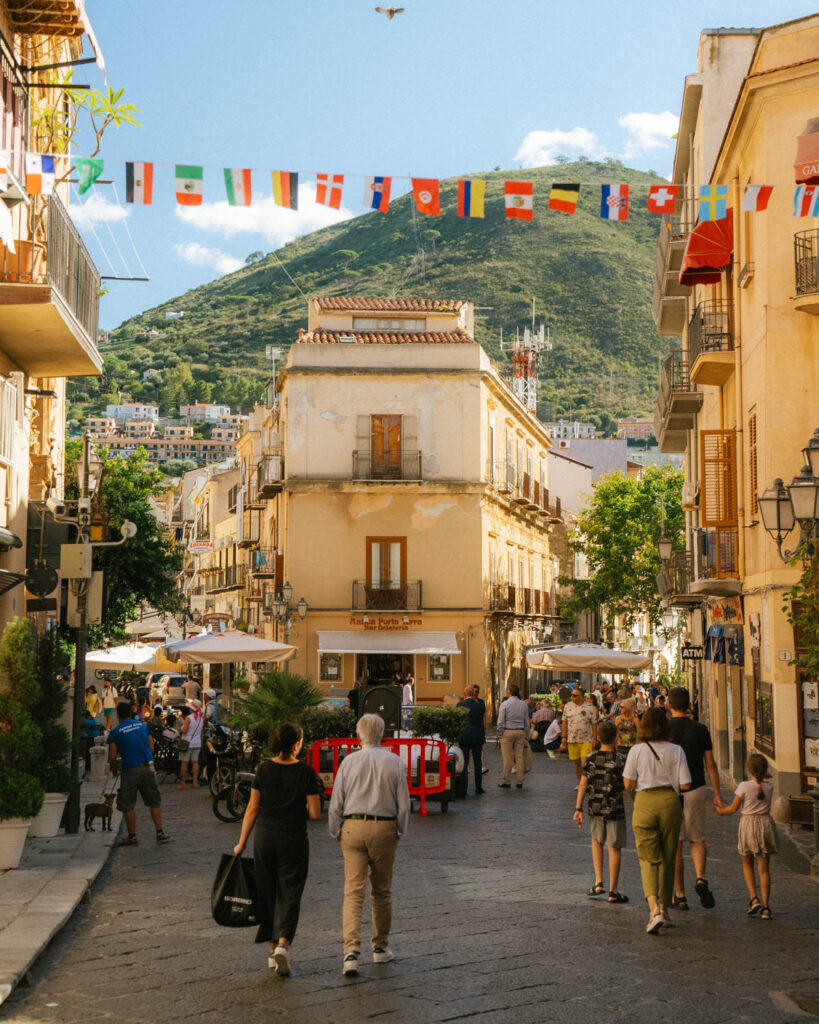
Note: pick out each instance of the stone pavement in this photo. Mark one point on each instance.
(491, 924)
(39, 897)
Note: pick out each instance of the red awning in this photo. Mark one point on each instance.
(806, 168)
(708, 251)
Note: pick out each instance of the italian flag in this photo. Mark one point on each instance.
(237, 183)
(188, 185)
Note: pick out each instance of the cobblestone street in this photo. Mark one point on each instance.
(491, 924)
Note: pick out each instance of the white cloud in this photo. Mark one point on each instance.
(203, 256)
(647, 132)
(543, 147)
(275, 224)
(97, 209)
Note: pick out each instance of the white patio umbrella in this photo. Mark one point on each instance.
(230, 646)
(153, 625)
(133, 657)
(588, 658)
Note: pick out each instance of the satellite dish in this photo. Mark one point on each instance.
(41, 580)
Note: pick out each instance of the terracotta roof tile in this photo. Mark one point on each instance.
(343, 302)
(388, 338)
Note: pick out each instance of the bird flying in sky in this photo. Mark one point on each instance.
(389, 11)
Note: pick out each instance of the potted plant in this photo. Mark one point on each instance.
(21, 794)
(322, 723)
(447, 723)
(277, 697)
(52, 770)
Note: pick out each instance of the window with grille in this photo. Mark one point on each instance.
(718, 502)
(752, 466)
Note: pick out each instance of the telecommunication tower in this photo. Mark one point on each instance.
(525, 352)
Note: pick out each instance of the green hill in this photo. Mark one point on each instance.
(592, 281)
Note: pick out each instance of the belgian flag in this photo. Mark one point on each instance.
(286, 189)
(564, 198)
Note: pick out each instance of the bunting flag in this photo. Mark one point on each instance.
(518, 196)
(470, 198)
(189, 185)
(662, 198)
(6, 229)
(88, 171)
(614, 202)
(806, 201)
(139, 183)
(328, 190)
(755, 198)
(4, 170)
(39, 174)
(237, 186)
(564, 198)
(713, 202)
(377, 193)
(427, 195)
(286, 189)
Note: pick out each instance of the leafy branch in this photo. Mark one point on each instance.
(801, 606)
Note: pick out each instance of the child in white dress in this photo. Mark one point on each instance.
(757, 832)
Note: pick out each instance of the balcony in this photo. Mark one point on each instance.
(677, 577)
(518, 600)
(49, 300)
(232, 497)
(711, 343)
(251, 528)
(270, 475)
(405, 466)
(232, 577)
(678, 402)
(669, 301)
(14, 114)
(502, 598)
(386, 596)
(717, 564)
(806, 268)
(263, 564)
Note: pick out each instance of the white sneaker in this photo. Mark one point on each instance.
(281, 958)
(382, 955)
(655, 924)
(350, 965)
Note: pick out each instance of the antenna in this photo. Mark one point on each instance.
(525, 361)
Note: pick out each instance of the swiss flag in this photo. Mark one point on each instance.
(662, 198)
(328, 189)
(427, 196)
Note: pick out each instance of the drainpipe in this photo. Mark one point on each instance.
(740, 410)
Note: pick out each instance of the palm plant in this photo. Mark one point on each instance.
(277, 697)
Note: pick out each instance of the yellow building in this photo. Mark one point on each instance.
(740, 396)
(49, 288)
(400, 488)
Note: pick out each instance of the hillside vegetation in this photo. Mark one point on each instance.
(591, 279)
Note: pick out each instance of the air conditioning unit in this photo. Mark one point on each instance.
(690, 496)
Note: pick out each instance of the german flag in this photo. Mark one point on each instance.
(564, 198)
(286, 189)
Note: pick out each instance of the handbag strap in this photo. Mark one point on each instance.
(662, 763)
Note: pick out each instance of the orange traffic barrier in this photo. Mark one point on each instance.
(425, 761)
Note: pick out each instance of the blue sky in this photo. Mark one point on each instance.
(447, 87)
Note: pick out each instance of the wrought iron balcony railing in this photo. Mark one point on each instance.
(405, 466)
(384, 595)
(806, 261)
(710, 329)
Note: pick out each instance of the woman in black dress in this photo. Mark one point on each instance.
(285, 792)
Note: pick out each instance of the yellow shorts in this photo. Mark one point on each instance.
(579, 751)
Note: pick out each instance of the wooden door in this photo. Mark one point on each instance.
(386, 447)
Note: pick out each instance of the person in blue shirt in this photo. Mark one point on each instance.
(132, 742)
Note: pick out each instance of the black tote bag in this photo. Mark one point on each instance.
(233, 894)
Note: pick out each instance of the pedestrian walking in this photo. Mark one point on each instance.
(655, 773)
(109, 703)
(579, 730)
(626, 723)
(192, 688)
(473, 737)
(369, 813)
(476, 690)
(756, 840)
(190, 733)
(284, 793)
(408, 692)
(132, 742)
(513, 728)
(603, 780)
(695, 739)
(93, 704)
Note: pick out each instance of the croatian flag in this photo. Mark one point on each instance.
(39, 174)
(614, 202)
(377, 193)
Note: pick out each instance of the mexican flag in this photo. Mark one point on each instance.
(188, 185)
(237, 184)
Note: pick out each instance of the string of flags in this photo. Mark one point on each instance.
(519, 196)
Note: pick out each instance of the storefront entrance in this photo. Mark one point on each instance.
(382, 669)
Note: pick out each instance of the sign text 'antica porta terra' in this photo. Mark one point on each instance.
(394, 624)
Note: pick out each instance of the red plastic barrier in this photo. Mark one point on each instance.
(421, 783)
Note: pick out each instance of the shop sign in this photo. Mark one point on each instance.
(727, 611)
(693, 652)
(396, 624)
(200, 547)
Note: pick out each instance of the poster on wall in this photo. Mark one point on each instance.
(754, 628)
(726, 611)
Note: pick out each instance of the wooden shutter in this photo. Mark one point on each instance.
(362, 440)
(753, 477)
(409, 428)
(279, 580)
(718, 474)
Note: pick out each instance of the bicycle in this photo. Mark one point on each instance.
(230, 803)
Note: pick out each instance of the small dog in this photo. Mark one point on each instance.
(103, 810)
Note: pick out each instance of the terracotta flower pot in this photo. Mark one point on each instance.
(23, 265)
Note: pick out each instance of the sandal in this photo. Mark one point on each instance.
(596, 890)
(704, 893)
(754, 906)
(766, 914)
(679, 903)
(617, 897)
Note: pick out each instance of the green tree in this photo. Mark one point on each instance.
(277, 697)
(618, 534)
(143, 568)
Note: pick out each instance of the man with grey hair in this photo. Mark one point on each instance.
(369, 812)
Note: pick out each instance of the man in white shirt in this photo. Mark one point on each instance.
(513, 729)
(407, 696)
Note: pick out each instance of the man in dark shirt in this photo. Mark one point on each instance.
(473, 737)
(695, 740)
(132, 742)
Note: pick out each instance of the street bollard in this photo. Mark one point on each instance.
(814, 864)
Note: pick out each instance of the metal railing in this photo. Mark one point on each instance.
(230, 578)
(407, 466)
(385, 595)
(504, 597)
(263, 563)
(14, 103)
(806, 261)
(674, 375)
(678, 572)
(269, 475)
(719, 553)
(710, 329)
(251, 527)
(232, 496)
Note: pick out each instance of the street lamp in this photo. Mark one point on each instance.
(782, 508)
(665, 546)
(283, 610)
